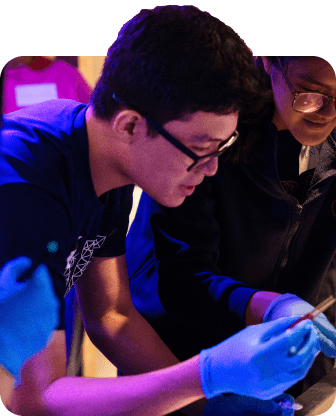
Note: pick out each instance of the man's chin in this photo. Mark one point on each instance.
(171, 202)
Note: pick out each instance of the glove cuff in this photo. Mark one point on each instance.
(280, 300)
(204, 369)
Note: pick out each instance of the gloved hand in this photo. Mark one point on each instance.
(288, 305)
(235, 405)
(29, 313)
(258, 361)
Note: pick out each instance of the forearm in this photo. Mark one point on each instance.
(156, 393)
(130, 343)
(45, 390)
(257, 306)
(137, 349)
(114, 325)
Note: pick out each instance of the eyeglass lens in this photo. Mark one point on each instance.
(310, 102)
(221, 149)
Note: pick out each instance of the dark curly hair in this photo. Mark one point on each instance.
(175, 60)
(257, 126)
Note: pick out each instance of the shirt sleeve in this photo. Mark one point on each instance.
(30, 219)
(115, 222)
(184, 245)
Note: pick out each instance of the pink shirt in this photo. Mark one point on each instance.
(24, 86)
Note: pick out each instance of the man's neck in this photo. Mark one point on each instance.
(106, 168)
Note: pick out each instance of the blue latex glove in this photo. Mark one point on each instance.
(258, 361)
(235, 405)
(29, 312)
(288, 305)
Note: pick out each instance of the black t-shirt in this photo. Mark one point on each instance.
(47, 194)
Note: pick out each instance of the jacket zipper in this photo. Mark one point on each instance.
(297, 214)
(298, 209)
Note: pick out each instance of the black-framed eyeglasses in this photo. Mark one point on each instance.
(306, 102)
(223, 145)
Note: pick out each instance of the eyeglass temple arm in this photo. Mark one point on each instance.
(290, 86)
(161, 131)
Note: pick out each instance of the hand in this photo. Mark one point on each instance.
(288, 305)
(259, 360)
(235, 405)
(29, 313)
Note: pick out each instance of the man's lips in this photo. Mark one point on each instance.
(193, 185)
(188, 189)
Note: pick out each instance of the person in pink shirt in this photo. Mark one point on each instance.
(34, 79)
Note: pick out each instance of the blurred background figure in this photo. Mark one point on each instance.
(34, 79)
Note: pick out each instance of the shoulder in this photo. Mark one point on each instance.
(52, 116)
(37, 138)
(119, 201)
(50, 119)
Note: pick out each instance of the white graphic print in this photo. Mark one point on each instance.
(74, 271)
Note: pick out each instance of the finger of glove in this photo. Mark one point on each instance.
(286, 305)
(41, 279)
(235, 404)
(276, 327)
(9, 275)
(295, 348)
(328, 346)
(284, 397)
(304, 352)
(41, 284)
(284, 339)
(38, 290)
(9, 359)
(322, 323)
(251, 405)
(284, 400)
(38, 302)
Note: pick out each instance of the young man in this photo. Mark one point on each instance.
(67, 175)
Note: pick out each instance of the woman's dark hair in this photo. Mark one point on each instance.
(174, 60)
(273, 60)
(253, 129)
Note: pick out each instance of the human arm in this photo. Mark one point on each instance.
(185, 252)
(51, 392)
(113, 324)
(46, 391)
(267, 306)
(258, 305)
(181, 247)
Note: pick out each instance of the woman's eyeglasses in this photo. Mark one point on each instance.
(306, 102)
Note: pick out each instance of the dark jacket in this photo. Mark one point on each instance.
(194, 268)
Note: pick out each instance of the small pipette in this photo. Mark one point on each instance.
(313, 314)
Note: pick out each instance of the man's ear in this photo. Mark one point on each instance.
(126, 124)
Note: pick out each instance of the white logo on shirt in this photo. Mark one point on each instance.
(74, 271)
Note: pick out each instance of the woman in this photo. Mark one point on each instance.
(258, 240)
